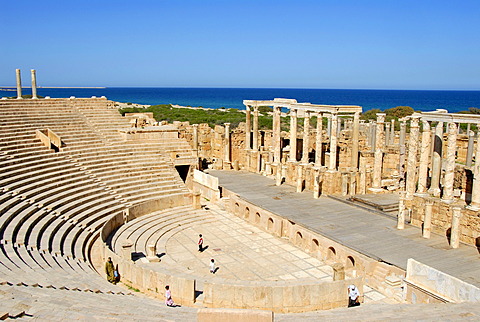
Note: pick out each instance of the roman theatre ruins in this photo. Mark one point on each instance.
(292, 216)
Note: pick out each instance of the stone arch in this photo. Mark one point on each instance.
(298, 238)
(350, 262)
(257, 218)
(331, 253)
(315, 245)
(270, 224)
(247, 213)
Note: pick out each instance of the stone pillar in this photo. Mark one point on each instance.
(379, 144)
(373, 133)
(317, 184)
(293, 135)
(344, 184)
(412, 159)
(437, 160)
(19, 84)
(427, 222)
(355, 139)
(152, 253)
(127, 249)
(455, 231)
(475, 204)
(329, 125)
(333, 143)
(387, 133)
(247, 128)
(34, 84)
(277, 129)
(403, 149)
(195, 138)
(318, 141)
(401, 210)
(255, 128)
(197, 204)
(299, 178)
(392, 133)
(227, 143)
(306, 137)
(471, 137)
(338, 272)
(450, 163)
(424, 156)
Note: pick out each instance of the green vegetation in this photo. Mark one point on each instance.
(26, 96)
(196, 116)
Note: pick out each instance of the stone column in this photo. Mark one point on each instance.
(392, 133)
(247, 128)
(152, 253)
(195, 138)
(373, 134)
(412, 159)
(227, 144)
(333, 143)
(475, 204)
(387, 133)
(355, 139)
(306, 137)
(401, 211)
(127, 249)
(318, 141)
(450, 163)
(277, 129)
(424, 156)
(427, 222)
(379, 144)
(19, 84)
(34, 84)
(471, 137)
(437, 160)
(455, 231)
(299, 178)
(255, 128)
(329, 125)
(403, 149)
(293, 135)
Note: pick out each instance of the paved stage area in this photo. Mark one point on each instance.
(369, 233)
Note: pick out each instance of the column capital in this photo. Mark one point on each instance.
(293, 111)
(429, 201)
(227, 124)
(247, 108)
(381, 118)
(414, 121)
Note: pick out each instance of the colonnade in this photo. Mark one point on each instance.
(19, 83)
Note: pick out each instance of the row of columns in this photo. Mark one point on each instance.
(276, 139)
(19, 83)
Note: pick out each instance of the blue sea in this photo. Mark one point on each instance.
(421, 100)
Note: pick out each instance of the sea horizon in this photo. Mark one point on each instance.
(232, 97)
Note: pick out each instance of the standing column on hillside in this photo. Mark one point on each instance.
(403, 149)
(471, 137)
(455, 231)
(437, 160)
(378, 158)
(293, 135)
(427, 222)
(424, 156)
(387, 133)
(412, 159)
(333, 143)
(475, 204)
(34, 84)
(227, 146)
(392, 133)
(318, 141)
(19, 84)
(450, 163)
(277, 149)
(255, 128)
(247, 127)
(355, 139)
(306, 137)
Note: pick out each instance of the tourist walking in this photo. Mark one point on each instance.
(212, 266)
(200, 243)
(110, 271)
(353, 296)
(168, 297)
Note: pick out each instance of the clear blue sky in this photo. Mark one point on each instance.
(420, 44)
